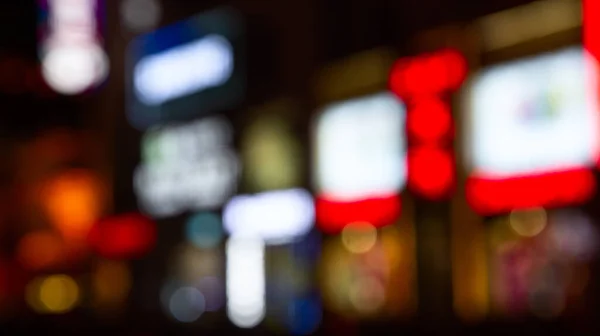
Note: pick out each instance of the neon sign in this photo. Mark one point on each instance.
(71, 52)
(276, 217)
(533, 134)
(186, 167)
(424, 82)
(187, 69)
(360, 162)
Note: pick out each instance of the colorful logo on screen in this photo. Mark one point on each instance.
(542, 108)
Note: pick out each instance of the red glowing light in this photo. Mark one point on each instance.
(492, 196)
(333, 215)
(123, 237)
(430, 172)
(430, 120)
(430, 74)
(591, 27)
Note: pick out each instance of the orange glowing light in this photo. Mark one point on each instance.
(430, 172)
(126, 236)
(334, 215)
(73, 202)
(492, 196)
(41, 250)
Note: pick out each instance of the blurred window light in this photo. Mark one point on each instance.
(371, 281)
(214, 292)
(183, 70)
(73, 59)
(528, 22)
(74, 201)
(528, 223)
(55, 294)
(186, 69)
(359, 237)
(111, 283)
(276, 216)
(187, 304)
(204, 230)
(186, 167)
(126, 236)
(532, 133)
(140, 15)
(190, 263)
(272, 156)
(245, 283)
(41, 250)
(360, 156)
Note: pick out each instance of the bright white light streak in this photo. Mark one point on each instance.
(183, 70)
(277, 216)
(245, 284)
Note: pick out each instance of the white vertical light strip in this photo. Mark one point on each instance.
(245, 282)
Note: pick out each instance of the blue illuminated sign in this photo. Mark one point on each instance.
(185, 70)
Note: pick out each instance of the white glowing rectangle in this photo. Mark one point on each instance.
(361, 148)
(276, 216)
(186, 167)
(183, 70)
(533, 116)
(245, 281)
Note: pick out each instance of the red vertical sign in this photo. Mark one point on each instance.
(425, 84)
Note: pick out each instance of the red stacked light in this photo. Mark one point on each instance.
(424, 83)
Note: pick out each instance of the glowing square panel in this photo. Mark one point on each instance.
(361, 148)
(360, 160)
(533, 129)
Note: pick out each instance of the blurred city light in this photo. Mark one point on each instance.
(360, 158)
(359, 237)
(365, 279)
(186, 167)
(246, 306)
(74, 201)
(515, 26)
(189, 264)
(535, 262)
(140, 15)
(111, 284)
(428, 74)
(187, 304)
(204, 230)
(126, 236)
(41, 250)
(271, 155)
(528, 223)
(276, 217)
(537, 153)
(186, 69)
(55, 294)
(423, 82)
(183, 70)
(71, 52)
